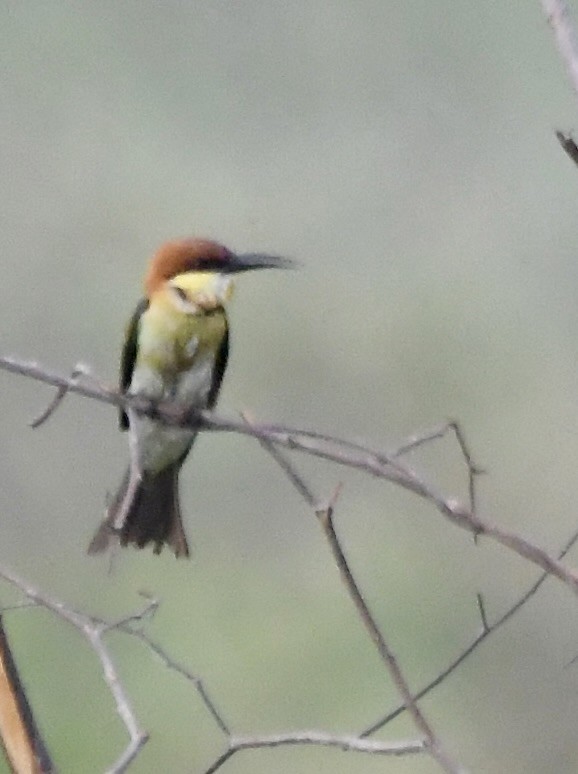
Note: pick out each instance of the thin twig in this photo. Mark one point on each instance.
(438, 433)
(487, 628)
(221, 760)
(146, 614)
(61, 393)
(175, 666)
(24, 605)
(482, 611)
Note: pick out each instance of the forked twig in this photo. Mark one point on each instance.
(437, 434)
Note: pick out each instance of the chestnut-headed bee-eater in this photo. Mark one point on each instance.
(176, 348)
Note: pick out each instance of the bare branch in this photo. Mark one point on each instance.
(319, 738)
(129, 755)
(336, 450)
(560, 21)
(379, 464)
(222, 759)
(237, 743)
(347, 743)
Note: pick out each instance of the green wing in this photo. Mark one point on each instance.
(220, 366)
(128, 356)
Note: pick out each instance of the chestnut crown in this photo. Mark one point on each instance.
(203, 255)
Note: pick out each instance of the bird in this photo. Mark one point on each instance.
(175, 349)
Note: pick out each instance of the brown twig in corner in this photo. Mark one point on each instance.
(20, 736)
(325, 515)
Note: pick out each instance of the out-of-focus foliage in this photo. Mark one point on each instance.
(404, 152)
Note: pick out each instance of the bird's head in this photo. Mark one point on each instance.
(197, 272)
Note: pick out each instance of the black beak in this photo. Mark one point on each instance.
(247, 261)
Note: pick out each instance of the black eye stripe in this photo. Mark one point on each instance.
(208, 264)
(181, 293)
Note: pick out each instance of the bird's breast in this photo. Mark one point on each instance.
(176, 354)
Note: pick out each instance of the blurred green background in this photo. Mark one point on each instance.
(404, 152)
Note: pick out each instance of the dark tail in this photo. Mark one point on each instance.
(152, 515)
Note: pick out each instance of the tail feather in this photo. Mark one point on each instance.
(152, 516)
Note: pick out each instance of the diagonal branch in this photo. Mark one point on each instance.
(384, 650)
(175, 666)
(325, 516)
(340, 451)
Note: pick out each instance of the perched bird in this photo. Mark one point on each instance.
(176, 348)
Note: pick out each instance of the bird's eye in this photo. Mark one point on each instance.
(180, 293)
